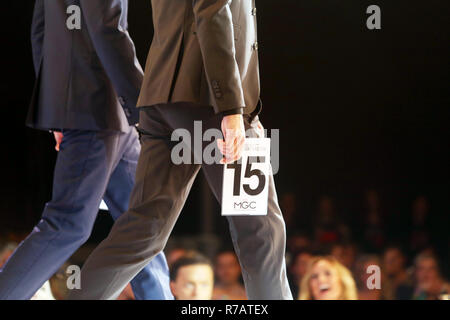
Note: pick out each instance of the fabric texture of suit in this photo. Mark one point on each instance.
(99, 151)
(80, 84)
(203, 51)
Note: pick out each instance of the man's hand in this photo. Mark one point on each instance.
(58, 137)
(234, 133)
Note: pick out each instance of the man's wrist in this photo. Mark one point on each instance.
(232, 111)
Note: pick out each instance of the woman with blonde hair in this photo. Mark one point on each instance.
(327, 279)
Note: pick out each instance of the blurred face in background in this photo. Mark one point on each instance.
(228, 269)
(393, 261)
(4, 256)
(300, 265)
(298, 242)
(363, 275)
(174, 255)
(427, 274)
(193, 282)
(344, 254)
(338, 251)
(325, 283)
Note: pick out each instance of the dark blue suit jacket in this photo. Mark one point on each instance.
(86, 79)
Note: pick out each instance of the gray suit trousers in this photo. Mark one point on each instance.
(160, 191)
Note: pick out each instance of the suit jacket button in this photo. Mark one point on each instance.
(254, 12)
(255, 46)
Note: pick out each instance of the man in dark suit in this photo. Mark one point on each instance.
(202, 66)
(88, 82)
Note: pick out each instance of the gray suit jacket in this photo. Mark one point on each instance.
(203, 51)
(86, 79)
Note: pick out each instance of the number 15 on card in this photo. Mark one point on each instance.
(246, 182)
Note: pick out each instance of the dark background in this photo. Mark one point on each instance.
(356, 108)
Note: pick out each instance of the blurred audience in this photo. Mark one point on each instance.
(345, 253)
(174, 254)
(374, 235)
(398, 277)
(362, 275)
(192, 277)
(328, 226)
(299, 240)
(327, 279)
(419, 237)
(127, 293)
(298, 268)
(291, 215)
(6, 250)
(228, 274)
(430, 284)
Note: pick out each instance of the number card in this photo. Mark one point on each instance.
(245, 189)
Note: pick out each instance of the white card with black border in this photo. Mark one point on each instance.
(245, 189)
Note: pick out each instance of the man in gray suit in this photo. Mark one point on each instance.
(202, 66)
(88, 82)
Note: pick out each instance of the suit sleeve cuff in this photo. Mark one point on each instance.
(232, 111)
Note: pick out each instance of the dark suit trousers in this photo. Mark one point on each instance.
(157, 199)
(91, 165)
